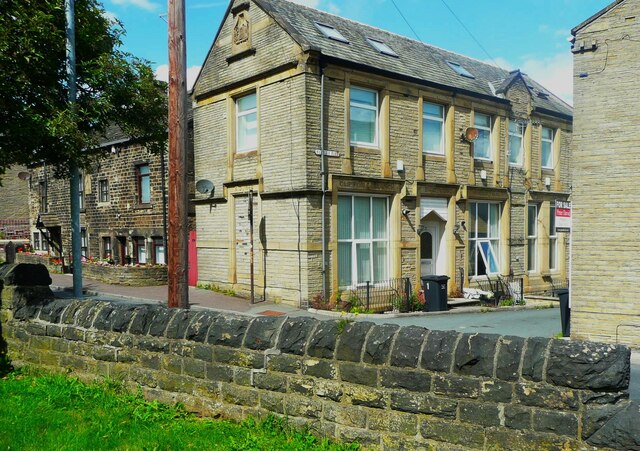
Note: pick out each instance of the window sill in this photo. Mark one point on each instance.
(241, 55)
(103, 204)
(434, 156)
(482, 163)
(143, 207)
(548, 171)
(515, 165)
(366, 149)
(245, 154)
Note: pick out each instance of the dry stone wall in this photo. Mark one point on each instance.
(385, 386)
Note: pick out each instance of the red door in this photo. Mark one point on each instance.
(193, 259)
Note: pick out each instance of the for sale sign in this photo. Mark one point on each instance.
(563, 216)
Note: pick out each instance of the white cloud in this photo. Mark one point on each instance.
(143, 4)
(554, 73)
(162, 74)
(110, 16)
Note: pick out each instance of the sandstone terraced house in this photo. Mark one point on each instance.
(605, 273)
(357, 147)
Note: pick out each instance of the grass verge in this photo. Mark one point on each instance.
(44, 412)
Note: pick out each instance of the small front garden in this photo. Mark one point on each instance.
(41, 411)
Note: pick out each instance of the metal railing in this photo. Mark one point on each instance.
(388, 295)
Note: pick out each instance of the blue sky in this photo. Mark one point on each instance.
(529, 35)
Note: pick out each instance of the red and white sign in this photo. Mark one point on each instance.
(563, 216)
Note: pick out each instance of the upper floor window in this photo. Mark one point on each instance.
(42, 191)
(247, 123)
(532, 237)
(547, 148)
(516, 143)
(484, 238)
(482, 145)
(143, 176)
(103, 190)
(433, 128)
(363, 109)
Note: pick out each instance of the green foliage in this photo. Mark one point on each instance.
(42, 411)
(342, 323)
(216, 288)
(113, 87)
(508, 302)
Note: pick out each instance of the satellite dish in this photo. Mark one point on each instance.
(23, 175)
(471, 134)
(204, 186)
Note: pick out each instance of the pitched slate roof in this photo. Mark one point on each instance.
(416, 61)
(597, 15)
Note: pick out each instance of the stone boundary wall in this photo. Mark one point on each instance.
(139, 276)
(385, 386)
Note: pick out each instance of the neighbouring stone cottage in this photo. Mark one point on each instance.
(433, 162)
(14, 214)
(605, 271)
(121, 212)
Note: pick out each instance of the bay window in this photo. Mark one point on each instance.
(363, 114)
(484, 238)
(363, 239)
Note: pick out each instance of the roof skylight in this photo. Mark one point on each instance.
(331, 32)
(381, 47)
(457, 67)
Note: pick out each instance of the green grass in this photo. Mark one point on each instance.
(53, 412)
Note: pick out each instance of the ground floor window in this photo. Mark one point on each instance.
(140, 250)
(158, 251)
(36, 241)
(484, 238)
(532, 237)
(107, 252)
(84, 244)
(363, 239)
(553, 240)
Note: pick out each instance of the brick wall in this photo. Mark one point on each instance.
(382, 385)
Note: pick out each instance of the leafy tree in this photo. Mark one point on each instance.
(114, 87)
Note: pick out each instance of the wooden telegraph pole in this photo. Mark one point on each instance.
(178, 221)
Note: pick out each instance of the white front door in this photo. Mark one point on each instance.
(429, 248)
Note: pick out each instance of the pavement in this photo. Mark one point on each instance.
(531, 322)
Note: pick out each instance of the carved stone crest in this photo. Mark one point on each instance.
(241, 33)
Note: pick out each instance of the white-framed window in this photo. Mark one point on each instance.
(484, 238)
(482, 145)
(143, 180)
(36, 241)
(433, 128)
(247, 123)
(84, 243)
(363, 239)
(107, 252)
(158, 251)
(553, 240)
(546, 151)
(516, 143)
(81, 191)
(140, 249)
(532, 238)
(363, 114)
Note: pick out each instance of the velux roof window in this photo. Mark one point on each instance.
(457, 67)
(331, 32)
(381, 47)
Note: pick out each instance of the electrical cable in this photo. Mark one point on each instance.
(406, 21)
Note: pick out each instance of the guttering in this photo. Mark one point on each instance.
(323, 175)
(548, 112)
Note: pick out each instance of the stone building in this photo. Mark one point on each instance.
(14, 204)
(433, 162)
(606, 216)
(121, 206)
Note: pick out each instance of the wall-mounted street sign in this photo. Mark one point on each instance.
(329, 153)
(563, 216)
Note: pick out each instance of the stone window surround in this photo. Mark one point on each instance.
(376, 143)
(497, 249)
(532, 238)
(520, 132)
(492, 124)
(237, 115)
(443, 130)
(103, 191)
(139, 179)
